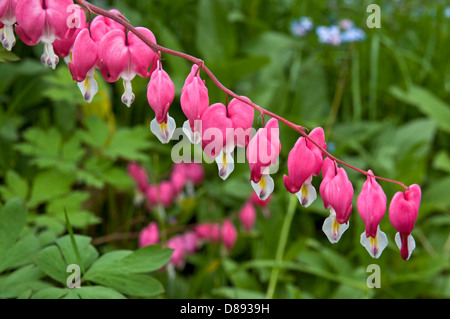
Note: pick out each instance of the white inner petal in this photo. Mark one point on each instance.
(88, 88)
(163, 131)
(8, 38)
(332, 229)
(49, 58)
(225, 164)
(411, 243)
(194, 137)
(306, 195)
(264, 187)
(374, 246)
(128, 95)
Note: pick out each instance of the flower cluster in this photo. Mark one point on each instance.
(301, 26)
(219, 129)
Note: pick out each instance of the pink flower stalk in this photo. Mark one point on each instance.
(7, 21)
(208, 231)
(160, 95)
(403, 212)
(124, 55)
(63, 47)
(242, 115)
(262, 151)
(217, 134)
(371, 204)
(162, 194)
(149, 235)
(194, 101)
(305, 161)
(43, 21)
(229, 234)
(178, 255)
(337, 192)
(247, 215)
(83, 64)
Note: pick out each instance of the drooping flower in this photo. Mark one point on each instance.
(208, 231)
(190, 242)
(83, 64)
(371, 204)
(305, 161)
(160, 95)
(403, 212)
(124, 55)
(43, 21)
(194, 101)
(262, 152)
(337, 194)
(63, 48)
(229, 234)
(7, 21)
(217, 138)
(247, 215)
(162, 194)
(178, 255)
(241, 115)
(149, 235)
(101, 25)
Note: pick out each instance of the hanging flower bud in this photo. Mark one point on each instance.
(371, 204)
(242, 115)
(194, 101)
(7, 21)
(139, 175)
(149, 235)
(305, 161)
(83, 64)
(208, 231)
(262, 151)
(190, 242)
(160, 95)
(403, 212)
(217, 133)
(337, 193)
(229, 234)
(43, 21)
(162, 194)
(247, 215)
(124, 55)
(178, 256)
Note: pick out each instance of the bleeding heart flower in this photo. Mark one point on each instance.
(160, 95)
(63, 48)
(162, 194)
(83, 64)
(217, 133)
(124, 55)
(7, 21)
(403, 212)
(263, 151)
(149, 235)
(194, 101)
(337, 193)
(208, 231)
(305, 161)
(229, 234)
(178, 256)
(43, 21)
(242, 115)
(101, 25)
(371, 204)
(247, 215)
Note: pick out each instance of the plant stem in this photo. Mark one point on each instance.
(281, 246)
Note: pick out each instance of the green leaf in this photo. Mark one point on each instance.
(50, 261)
(51, 293)
(145, 259)
(21, 253)
(48, 185)
(15, 185)
(12, 220)
(88, 253)
(7, 56)
(22, 280)
(427, 103)
(96, 133)
(129, 144)
(98, 292)
(238, 293)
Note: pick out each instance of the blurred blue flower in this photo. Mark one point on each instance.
(447, 12)
(353, 35)
(330, 35)
(301, 26)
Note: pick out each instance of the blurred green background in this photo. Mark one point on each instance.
(383, 103)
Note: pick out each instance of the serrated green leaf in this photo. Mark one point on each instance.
(13, 219)
(129, 144)
(22, 280)
(50, 261)
(15, 185)
(48, 185)
(88, 253)
(99, 292)
(21, 253)
(51, 293)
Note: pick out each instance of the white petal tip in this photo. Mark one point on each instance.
(163, 131)
(374, 246)
(306, 195)
(194, 137)
(410, 242)
(225, 164)
(332, 229)
(264, 187)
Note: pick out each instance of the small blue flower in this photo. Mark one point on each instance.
(301, 26)
(353, 35)
(447, 12)
(329, 35)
